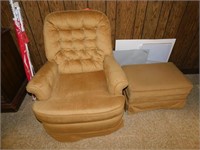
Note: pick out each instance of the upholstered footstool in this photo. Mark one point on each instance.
(155, 86)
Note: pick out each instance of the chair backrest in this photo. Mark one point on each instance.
(77, 40)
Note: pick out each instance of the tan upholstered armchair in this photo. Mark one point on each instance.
(79, 89)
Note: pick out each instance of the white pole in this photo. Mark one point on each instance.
(13, 9)
(16, 6)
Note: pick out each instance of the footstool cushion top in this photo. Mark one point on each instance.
(155, 77)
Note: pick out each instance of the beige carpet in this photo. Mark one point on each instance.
(158, 129)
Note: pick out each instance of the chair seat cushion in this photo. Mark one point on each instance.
(79, 108)
(78, 83)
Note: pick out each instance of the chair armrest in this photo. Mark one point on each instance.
(41, 84)
(115, 76)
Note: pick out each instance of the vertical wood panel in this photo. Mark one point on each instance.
(6, 18)
(187, 30)
(125, 19)
(111, 13)
(36, 25)
(175, 17)
(69, 5)
(43, 8)
(151, 20)
(56, 5)
(139, 20)
(6, 15)
(97, 5)
(81, 4)
(164, 15)
(192, 60)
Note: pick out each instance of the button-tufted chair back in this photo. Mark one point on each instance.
(77, 40)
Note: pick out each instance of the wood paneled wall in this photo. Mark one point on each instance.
(128, 19)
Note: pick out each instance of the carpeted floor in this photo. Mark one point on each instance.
(158, 129)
